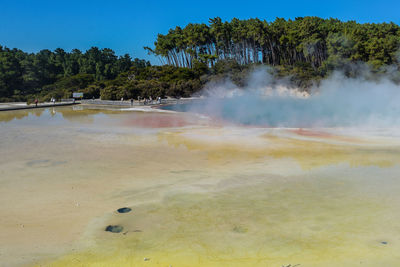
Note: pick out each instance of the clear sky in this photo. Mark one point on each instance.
(126, 26)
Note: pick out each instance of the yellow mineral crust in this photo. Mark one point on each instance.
(308, 153)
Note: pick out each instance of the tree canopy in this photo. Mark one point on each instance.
(23, 74)
(312, 41)
(305, 49)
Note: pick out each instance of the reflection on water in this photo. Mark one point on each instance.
(200, 194)
(78, 113)
(92, 114)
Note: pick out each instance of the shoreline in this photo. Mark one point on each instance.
(45, 105)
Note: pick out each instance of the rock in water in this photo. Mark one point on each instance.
(124, 210)
(114, 228)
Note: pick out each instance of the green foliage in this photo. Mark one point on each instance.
(66, 86)
(58, 73)
(92, 91)
(10, 72)
(305, 40)
(305, 49)
(111, 92)
(154, 81)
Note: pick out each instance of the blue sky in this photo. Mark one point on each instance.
(127, 26)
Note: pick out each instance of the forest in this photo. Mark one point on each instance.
(310, 40)
(305, 49)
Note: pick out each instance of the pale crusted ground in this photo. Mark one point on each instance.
(201, 194)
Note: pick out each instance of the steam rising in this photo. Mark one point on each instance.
(337, 101)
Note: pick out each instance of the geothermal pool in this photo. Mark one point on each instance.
(201, 192)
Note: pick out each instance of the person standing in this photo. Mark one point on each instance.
(131, 101)
(36, 102)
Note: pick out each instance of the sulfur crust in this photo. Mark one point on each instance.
(307, 153)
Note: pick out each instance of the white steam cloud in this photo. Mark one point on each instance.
(336, 101)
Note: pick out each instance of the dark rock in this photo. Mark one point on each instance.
(124, 210)
(114, 228)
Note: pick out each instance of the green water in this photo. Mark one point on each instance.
(201, 195)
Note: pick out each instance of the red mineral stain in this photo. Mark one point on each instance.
(325, 135)
(152, 120)
(309, 133)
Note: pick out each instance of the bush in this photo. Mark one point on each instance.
(111, 92)
(92, 91)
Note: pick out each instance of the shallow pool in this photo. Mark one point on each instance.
(201, 192)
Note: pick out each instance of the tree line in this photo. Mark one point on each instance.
(305, 49)
(23, 74)
(316, 42)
